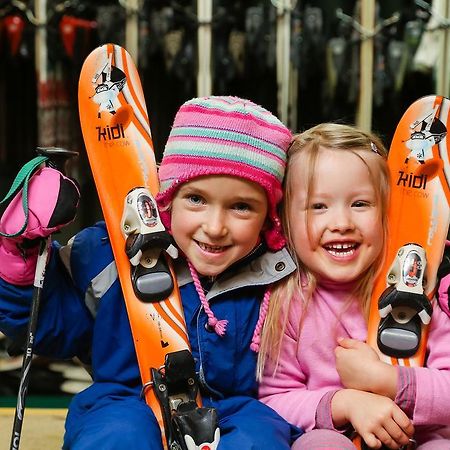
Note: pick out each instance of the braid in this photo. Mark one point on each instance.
(256, 339)
(218, 325)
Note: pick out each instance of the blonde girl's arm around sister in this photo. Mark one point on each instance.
(310, 403)
(360, 367)
(377, 419)
(423, 393)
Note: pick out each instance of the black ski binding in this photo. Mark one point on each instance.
(403, 306)
(146, 238)
(187, 426)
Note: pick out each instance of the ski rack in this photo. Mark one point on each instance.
(283, 51)
(132, 27)
(440, 21)
(204, 47)
(367, 31)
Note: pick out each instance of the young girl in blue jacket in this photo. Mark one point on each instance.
(220, 180)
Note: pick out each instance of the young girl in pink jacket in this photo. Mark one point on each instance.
(317, 371)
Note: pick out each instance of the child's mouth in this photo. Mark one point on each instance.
(341, 250)
(211, 248)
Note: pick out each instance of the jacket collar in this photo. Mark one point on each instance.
(255, 269)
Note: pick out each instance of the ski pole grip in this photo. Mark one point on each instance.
(57, 157)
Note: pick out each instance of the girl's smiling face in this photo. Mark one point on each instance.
(337, 232)
(217, 220)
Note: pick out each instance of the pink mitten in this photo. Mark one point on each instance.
(52, 204)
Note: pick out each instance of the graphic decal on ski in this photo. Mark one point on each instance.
(118, 141)
(426, 132)
(108, 83)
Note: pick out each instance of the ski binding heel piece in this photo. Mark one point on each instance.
(146, 238)
(403, 306)
(188, 427)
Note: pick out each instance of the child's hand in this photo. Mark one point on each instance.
(359, 367)
(377, 419)
(52, 204)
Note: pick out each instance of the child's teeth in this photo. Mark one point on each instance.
(341, 249)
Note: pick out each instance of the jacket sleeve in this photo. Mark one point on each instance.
(432, 383)
(64, 328)
(286, 390)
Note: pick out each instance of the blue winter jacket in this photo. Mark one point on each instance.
(83, 314)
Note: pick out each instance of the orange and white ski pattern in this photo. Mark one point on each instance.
(419, 204)
(118, 141)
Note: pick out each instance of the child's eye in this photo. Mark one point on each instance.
(318, 206)
(195, 199)
(241, 207)
(361, 204)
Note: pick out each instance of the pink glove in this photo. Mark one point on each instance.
(52, 204)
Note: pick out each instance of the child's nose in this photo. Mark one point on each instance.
(215, 224)
(342, 220)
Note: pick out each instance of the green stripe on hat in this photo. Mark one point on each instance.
(231, 136)
(228, 153)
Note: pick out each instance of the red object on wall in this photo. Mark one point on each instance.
(69, 26)
(14, 25)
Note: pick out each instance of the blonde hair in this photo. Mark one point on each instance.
(335, 137)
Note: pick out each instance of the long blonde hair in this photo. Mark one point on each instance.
(335, 137)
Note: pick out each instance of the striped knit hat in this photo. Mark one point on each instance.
(226, 136)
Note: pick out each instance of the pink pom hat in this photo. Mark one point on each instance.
(226, 136)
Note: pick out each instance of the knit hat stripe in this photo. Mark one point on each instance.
(233, 105)
(228, 136)
(192, 115)
(217, 166)
(227, 151)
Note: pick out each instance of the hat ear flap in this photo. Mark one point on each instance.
(273, 234)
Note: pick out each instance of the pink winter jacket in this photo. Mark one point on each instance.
(307, 371)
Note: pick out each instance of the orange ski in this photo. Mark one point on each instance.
(418, 220)
(118, 141)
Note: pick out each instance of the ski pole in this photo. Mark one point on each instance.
(53, 157)
(28, 355)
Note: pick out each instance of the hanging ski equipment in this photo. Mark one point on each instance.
(204, 47)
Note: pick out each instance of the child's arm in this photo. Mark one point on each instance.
(65, 325)
(377, 419)
(422, 392)
(63, 320)
(359, 367)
